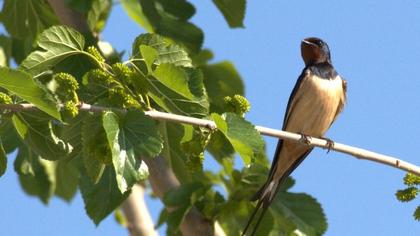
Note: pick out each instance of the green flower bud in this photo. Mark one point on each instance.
(117, 95)
(70, 109)
(121, 71)
(5, 99)
(407, 194)
(237, 104)
(95, 53)
(411, 179)
(417, 214)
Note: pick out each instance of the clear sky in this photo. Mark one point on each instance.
(375, 45)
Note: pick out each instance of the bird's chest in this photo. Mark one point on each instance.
(315, 105)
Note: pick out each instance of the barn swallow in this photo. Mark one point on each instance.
(316, 100)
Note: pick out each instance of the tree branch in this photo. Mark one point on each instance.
(354, 151)
(163, 179)
(69, 16)
(135, 210)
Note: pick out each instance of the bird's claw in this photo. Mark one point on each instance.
(330, 143)
(305, 138)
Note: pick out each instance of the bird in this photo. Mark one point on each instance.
(317, 98)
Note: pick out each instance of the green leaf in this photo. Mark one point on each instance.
(96, 151)
(56, 44)
(303, 211)
(167, 52)
(9, 137)
(243, 136)
(36, 175)
(67, 179)
(149, 54)
(82, 6)
(5, 50)
(233, 11)
(3, 160)
(102, 198)
(138, 136)
(37, 132)
(22, 85)
(179, 90)
(135, 12)
(221, 80)
(98, 14)
(27, 18)
(171, 26)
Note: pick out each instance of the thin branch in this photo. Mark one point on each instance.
(312, 141)
(135, 210)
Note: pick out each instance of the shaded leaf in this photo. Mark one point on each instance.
(82, 6)
(103, 198)
(3, 159)
(233, 11)
(39, 135)
(22, 85)
(27, 18)
(9, 137)
(243, 136)
(36, 175)
(135, 12)
(56, 44)
(5, 50)
(67, 179)
(96, 151)
(98, 14)
(221, 80)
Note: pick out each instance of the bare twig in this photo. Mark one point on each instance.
(135, 210)
(354, 151)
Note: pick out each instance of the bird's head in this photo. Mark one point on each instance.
(315, 51)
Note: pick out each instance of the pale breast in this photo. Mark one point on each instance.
(315, 105)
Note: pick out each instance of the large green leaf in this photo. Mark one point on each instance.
(179, 90)
(233, 11)
(103, 197)
(38, 134)
(36, 175)
(221, 80)
(21, 84)
(129, 139)
(96, 151)
(56, 44)
(9, 137)
(27, 18)
(98, 14)
(243, 136)
(167, 52)
(301, 210)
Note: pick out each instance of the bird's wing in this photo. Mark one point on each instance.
(342, 100)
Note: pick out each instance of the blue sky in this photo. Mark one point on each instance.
(375, 45)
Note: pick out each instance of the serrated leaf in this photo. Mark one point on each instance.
(10, 139)
(40, 180)
(166, 52)
(243, 136)
(178, 90)
(149, 54)
(96, 151)
(39, 135)
(301, 210)
(3, 159)
(22, 84)
(56, 44)
(233, 11)
(27, 18)
(221, 80)
(137, 136)
(101, 198)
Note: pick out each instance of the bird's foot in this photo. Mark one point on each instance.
(305, 139)
(330, 143)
